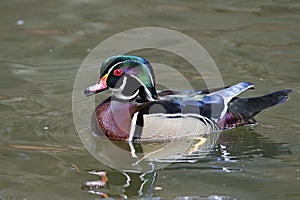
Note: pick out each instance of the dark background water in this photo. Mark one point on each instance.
(43, 45)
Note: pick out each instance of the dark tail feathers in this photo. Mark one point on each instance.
(249, 107)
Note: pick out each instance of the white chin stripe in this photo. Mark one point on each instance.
(117, 92)
(119, 95)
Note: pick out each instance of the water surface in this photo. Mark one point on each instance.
(43, 45)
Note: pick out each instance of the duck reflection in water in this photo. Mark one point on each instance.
(233, 146)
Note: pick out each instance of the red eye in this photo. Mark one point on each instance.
(118, 72)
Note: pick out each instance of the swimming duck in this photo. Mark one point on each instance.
(137, 111)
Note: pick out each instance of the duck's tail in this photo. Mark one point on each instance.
(242, 110)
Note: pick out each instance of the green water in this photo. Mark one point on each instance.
(43, 45)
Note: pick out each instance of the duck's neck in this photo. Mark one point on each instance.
(114, 117)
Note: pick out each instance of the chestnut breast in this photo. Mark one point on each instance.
(113, 119)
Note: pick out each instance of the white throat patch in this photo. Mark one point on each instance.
(117, 92)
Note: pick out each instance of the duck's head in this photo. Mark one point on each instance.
(127, 76)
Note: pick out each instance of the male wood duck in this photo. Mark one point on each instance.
(137, 111)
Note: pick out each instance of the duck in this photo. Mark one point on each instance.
(136, 111)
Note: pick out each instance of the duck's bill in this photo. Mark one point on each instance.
(94, 89)
(98, 87)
